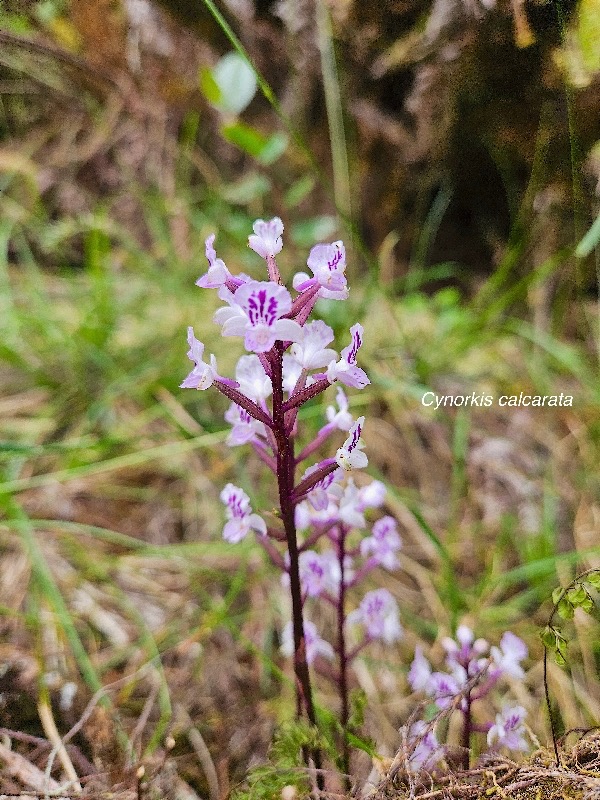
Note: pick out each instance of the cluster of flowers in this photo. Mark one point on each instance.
(473, 670)
(289, 362)
(332, 515)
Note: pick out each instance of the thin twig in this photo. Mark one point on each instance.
(58, 747)
(204, 757)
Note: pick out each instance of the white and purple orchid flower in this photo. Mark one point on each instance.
(508, 729)
(203, 375)
(267, 241)
(350, 456)
(383, 544)
(241, 520)
(345, 370)
(256, 312)
(327, 262)
(378, 614)
(315, 645)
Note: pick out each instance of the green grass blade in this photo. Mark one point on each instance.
(134, 459)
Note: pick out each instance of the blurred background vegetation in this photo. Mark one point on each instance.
(453, 145)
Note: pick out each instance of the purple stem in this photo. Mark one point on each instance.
(272, 552)
(273, 270)
(315, 536)
(343, 656)
(306, 394)
(245, 403)
(320, 438)
(466, 732)
(301, 301)
(285, 480)
(356, 650)
(266, 364)
(485, 687)
(261, 452)
(305, 311)
(369, 565)
(327, 467)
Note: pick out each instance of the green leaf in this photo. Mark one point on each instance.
(358, 703)
(249, 188)
(361, 744)
(589, 33)
(561, 646)
(316, 229)
(560, 639)
(209, 87)
(274, 147)
(236, 82)
(590, 240)
(560, 659)
(548, 637)
(594, 580)
(565, 609)
(557, 594)
(577, 595)
(298, 191)
(245, 137)
(587, 605)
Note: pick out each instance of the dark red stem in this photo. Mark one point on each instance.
(309, 483)
(341, 648)
(466, 732)
(285, 480)
(307, 394)
(245, 403)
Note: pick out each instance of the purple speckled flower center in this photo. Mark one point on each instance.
(262, 308)
(355, 437)
(375, 606)
(333, 262)
(356, 343)
(235, 504)
(316, 569)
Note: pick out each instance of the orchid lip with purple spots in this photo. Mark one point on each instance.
(327, 262)
(256, 311)
(244, 428)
